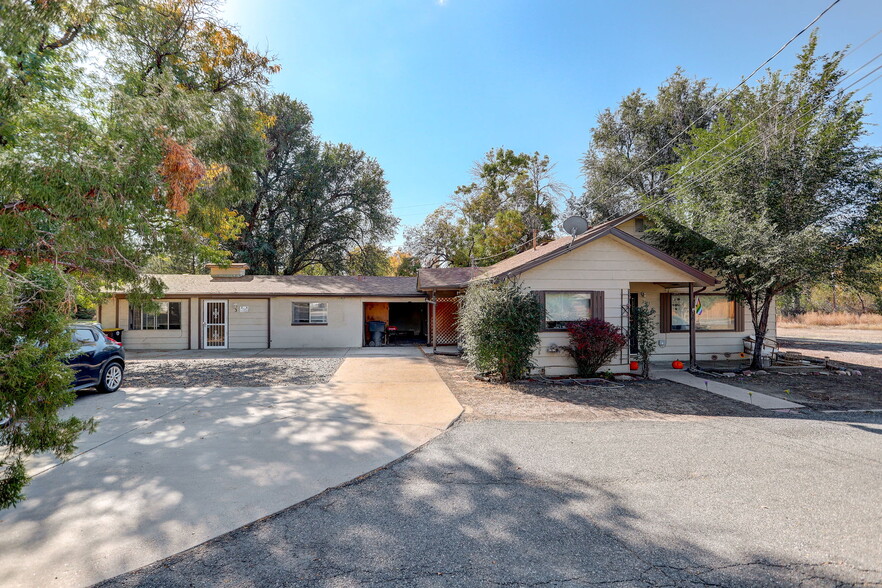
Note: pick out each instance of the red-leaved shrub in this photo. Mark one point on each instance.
(593, 343)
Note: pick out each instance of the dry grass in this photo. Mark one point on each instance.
(844, 320)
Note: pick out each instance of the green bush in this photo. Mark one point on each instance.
(499, 328)
(644, 322)
(593, 343)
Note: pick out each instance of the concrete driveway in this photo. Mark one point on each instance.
(171, 468)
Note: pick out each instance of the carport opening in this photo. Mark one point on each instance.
(403, 323)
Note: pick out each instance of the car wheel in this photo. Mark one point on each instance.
(112, 378)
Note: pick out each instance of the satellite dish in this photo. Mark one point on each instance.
(575, 225)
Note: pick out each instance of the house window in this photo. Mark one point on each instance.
(565, 307)
(309, 313)
(167, 319)
(713, 312)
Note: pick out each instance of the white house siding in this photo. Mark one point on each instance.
(146, 339)
(345, 322)
(247, 324)
(615, 267)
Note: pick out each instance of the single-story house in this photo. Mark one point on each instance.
(603, 272)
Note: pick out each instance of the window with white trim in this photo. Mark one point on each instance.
(168, 318)
(309, 313)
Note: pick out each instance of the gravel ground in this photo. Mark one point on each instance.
(644, 400)
(711, 502)
(252, 371)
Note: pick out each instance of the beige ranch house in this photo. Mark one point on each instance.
(603, 273)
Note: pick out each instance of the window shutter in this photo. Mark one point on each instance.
(664, 313)
(739, 317)
(597, 305)
(540, 296)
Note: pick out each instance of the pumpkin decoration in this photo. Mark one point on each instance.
(677, 364)
(634, 365)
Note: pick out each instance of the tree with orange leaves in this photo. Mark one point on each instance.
(103, 170)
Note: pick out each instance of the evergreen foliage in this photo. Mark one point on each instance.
(499, 326)
(647, 330)
(797, 198)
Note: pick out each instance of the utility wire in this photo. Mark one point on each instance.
(735, 133)
(715, 104)
(718, 166)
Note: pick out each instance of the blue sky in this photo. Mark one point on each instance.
(428, 86)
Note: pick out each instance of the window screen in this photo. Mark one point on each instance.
(309, 313)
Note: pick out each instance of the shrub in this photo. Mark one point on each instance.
(499, 328)
(593, 343)
(644, 323)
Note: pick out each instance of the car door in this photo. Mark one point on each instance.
(86, 366)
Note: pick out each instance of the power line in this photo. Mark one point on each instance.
(719, 165)
(716, 104)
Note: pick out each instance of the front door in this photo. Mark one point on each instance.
(214, 324)
(632, 323)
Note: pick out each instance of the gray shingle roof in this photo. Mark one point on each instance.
(437, 278)
(185, 284)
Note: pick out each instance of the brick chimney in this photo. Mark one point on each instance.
(234, 270)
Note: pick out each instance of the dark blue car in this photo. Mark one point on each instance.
(100, 361)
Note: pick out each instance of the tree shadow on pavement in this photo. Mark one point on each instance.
(467, 511)
(169, 468)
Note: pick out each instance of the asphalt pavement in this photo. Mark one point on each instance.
(723, 501)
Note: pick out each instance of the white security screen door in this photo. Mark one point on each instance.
(214, 324)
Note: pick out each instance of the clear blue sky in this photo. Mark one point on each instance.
(428, 86)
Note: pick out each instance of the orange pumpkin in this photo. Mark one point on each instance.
(634, 366)
(677, 364)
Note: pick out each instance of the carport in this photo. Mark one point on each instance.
(406, 323)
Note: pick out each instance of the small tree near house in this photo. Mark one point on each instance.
(499, 326)
(593, 343)
(645, 326)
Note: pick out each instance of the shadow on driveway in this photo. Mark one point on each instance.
(728, 502)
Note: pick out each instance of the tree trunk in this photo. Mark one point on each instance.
(760, 327)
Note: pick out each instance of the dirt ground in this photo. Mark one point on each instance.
(252, 371)
(855, 346)
(639, 400)
(850, 349)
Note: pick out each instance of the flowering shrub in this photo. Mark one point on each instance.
(593, 343)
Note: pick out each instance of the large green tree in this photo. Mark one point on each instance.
(512, 198)
(779, 191)
(634, 146)
(315, 202)
(123, 136)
